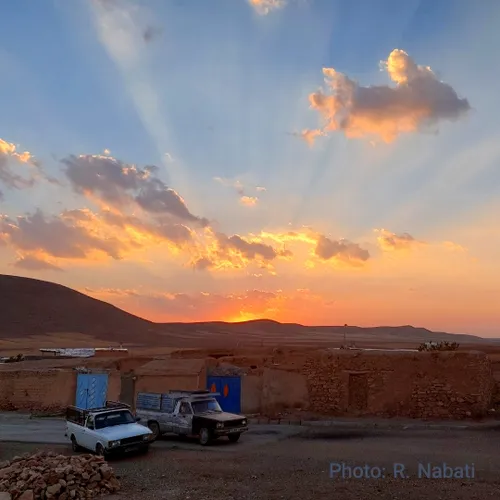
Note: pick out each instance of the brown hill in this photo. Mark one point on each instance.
(31, 307)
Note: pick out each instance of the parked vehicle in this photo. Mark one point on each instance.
(106, 430)
(189, 413)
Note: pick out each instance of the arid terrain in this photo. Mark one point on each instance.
(38, 314)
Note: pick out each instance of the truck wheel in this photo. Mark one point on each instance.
(234, 437)
(205, 436)
(74, 444)
(100, 451)
(155, 429)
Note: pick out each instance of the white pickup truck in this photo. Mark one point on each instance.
(106, 430)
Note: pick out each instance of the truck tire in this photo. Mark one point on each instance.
(74, 444)
(100, 451)
(234, 437)
(205, 436)
(155, 429)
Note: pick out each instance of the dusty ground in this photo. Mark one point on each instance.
(297, 467)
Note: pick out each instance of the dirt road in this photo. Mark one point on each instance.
(298, 466)
(20, 428)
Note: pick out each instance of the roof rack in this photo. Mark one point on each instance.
(189, 393)
(110, 405)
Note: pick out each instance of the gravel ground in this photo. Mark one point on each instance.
(298, 468)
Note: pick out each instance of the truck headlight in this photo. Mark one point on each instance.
(145, 437)
(244, 422)
(220, 425)
(113, 444)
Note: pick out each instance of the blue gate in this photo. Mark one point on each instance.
(91, 390)
(229, 389)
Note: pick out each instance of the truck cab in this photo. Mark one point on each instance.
(185, 413)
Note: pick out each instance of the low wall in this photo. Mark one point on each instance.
(160, 383)
(37, 390)
(422, 385)
(45, 390)
(353, 383)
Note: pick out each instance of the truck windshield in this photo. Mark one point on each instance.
(204, 406)
(113, 418)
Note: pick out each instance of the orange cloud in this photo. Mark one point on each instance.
(222, 252)
(311, 135)
(263, 7)
(56, 237)
(32, 262)
(418, 100)
(8, 176)
(9, 149)
(249, 201)
(389, 241)
(245, 200)
(339, 252)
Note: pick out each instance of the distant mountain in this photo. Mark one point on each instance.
(30, 307)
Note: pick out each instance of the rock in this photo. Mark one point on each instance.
(48, 476)
(54, 489)
(27, 495)
(6, 472)
(105, 471)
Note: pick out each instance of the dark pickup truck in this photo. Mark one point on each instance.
(189, 413)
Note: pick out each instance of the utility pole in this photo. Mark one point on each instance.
(345, 330)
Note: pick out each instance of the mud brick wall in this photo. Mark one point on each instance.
(419, 385)
(37, 390)
(45, 390)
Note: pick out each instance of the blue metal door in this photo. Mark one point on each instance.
(229, 389)
(91, 390)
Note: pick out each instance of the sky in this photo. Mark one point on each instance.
(324, 162)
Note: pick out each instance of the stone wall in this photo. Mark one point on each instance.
(421, 385)
(360, 383)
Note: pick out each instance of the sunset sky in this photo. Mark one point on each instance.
(310, 161)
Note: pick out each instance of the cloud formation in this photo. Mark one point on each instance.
(236, 252)
(56, 237)
(324, 249)
(9, 158)
(417, 101)
(249, 201)
(342, 250)
(263, 7)
(245, 199)
(34, 263)
(389, 241)
(119, 185)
